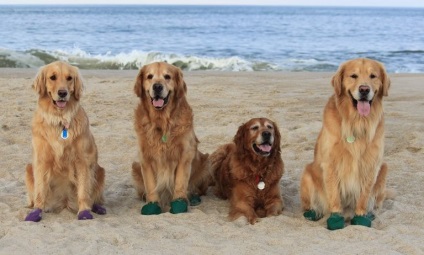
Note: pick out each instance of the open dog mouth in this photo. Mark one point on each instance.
(61, 103)
(159, 103)
(262, 149)
(363, 106)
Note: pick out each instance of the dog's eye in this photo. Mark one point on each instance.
(53, 77)
(150, 76)
(372, 76)
(354, 76)
(254, 128)
(269, 127)
(68, 78)
(167, 77)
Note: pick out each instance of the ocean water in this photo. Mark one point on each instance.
(230, 38)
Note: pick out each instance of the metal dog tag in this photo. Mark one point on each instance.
(261, 185)
(64, 134)
(350, 139)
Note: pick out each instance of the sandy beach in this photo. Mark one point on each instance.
(221, 102)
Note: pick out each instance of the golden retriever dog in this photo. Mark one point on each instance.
(64, 172)
(171, 169)
(248, 171)
(348, 177)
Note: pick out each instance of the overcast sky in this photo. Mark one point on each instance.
(381, 3)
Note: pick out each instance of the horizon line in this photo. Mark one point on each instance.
(187, 4)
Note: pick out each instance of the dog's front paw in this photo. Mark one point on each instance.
(85, 215)
(98, 209)
(179, 206)
(335, 221)
(361, 220)
(151, 208)
(312, 215)
(251, 216)
(34, 215)
(195, 200)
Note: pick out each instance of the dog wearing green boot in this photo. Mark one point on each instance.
(347, 179)
(172, 173)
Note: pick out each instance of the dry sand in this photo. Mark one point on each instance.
(221, 102)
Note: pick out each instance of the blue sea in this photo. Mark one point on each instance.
(224, 38)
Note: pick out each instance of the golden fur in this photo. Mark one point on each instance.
(64, 172)
(349, 177)
(171, 167)
(239, 166)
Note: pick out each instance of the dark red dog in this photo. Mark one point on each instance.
(248, 171)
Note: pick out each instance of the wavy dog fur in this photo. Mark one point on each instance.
(64, 172)
(171, 167)
(254, 156)
(349, 176)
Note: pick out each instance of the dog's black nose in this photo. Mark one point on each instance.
(266, 135)
(62, 93)
(157, 88)
(364, 90)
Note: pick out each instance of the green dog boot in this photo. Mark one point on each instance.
(151, 208)
(179, 206)
(335, 221)
(195, 200)
(361, 220)
(311, 215)
(371, 216)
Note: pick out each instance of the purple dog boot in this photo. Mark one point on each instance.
(85, 215)
(34, 215)
(98, 209)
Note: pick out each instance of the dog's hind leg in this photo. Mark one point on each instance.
(138, 180)
(98, 191)
(29, 182)
(311, 191)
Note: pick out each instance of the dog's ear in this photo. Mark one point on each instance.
(179, 79)
(337, 80)
(385, 80)
(240, 138)
(39, 84)
(277, 139)
(78, 83)
(138, 85)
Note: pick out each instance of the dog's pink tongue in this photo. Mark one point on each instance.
(61, 104)
(265, 147)
(364, 108)
(158, 102)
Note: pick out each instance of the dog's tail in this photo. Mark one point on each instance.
(380, 191)
(390, 194)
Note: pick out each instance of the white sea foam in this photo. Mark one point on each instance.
(132, 60)
(135, 59)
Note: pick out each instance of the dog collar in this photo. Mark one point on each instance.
(350, 139)
(260, 183)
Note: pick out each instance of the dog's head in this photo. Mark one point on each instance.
(160, 83)
(259, 136)
(362, 81)
(59, 82)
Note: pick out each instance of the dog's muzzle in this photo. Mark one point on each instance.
(363, 104)
(61, 102)
(159, 101)
(264, 149)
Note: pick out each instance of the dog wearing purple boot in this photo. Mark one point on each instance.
(64, 172)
